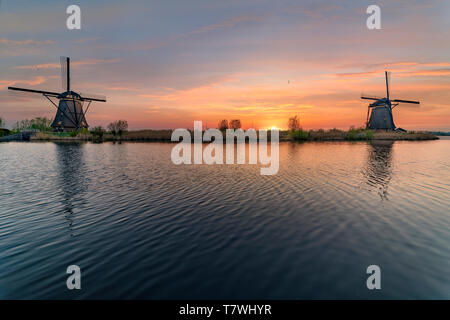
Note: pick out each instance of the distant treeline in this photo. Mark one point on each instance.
(118, 130)
(440, 133)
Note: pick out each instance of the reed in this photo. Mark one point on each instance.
(353, 134)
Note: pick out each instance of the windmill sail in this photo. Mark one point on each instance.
(388, 83)
(64, 74)
(379, 112)
(92, 97)
(70, 114)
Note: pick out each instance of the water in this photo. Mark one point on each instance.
(141, 227)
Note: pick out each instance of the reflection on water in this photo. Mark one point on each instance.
(379, 166)
(141, 227)
(71, 176)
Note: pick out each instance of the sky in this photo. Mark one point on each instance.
(164, 64)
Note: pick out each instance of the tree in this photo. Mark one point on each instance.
(39, 123)
(294, 123)
(98, 132)
(223, 125)
(118, 127)
(42, 124)
(235, 124)
(2, 122)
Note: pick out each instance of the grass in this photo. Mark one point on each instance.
(353, 134)
(298, 135)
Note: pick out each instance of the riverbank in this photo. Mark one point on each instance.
(355, 135)
(165, 136)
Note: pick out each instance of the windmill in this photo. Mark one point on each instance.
(379, 113)
(70, 114)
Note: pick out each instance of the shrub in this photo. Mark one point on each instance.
(369, 134)
(83, 131)
(73, 133)
(40, 123)
(98, 132)
(299, 135)
(358, 134)
(4, 132)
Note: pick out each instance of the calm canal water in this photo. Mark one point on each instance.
(141, 227)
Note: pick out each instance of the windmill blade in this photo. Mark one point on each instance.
(368, 97)
(92, 97)
(64, 74)
(24, 94)
(47, 93)
(406, 101)
(388, 83)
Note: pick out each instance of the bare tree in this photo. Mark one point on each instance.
(118, 127)
(294, 123)
(235, 124)
(223, 124)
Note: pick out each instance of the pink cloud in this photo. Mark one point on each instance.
(33, 82)
(74, 63)
(25, 42)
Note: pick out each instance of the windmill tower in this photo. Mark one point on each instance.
(69, 114)
(379, 113)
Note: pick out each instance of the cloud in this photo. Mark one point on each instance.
(84, 40)
(229, 23)
(401, 69)
(424, 72)
(74, 63)
(33, 82)
(26, 42)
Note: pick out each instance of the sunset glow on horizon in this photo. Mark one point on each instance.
(164, 65)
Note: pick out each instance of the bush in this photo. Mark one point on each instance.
(358, 134)
(98, 132)
(83, 131)
(40, 123)
(369, 134)
(299, 135)
(4, 132)
(73, 133)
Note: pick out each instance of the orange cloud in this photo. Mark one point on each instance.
(33, 82)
